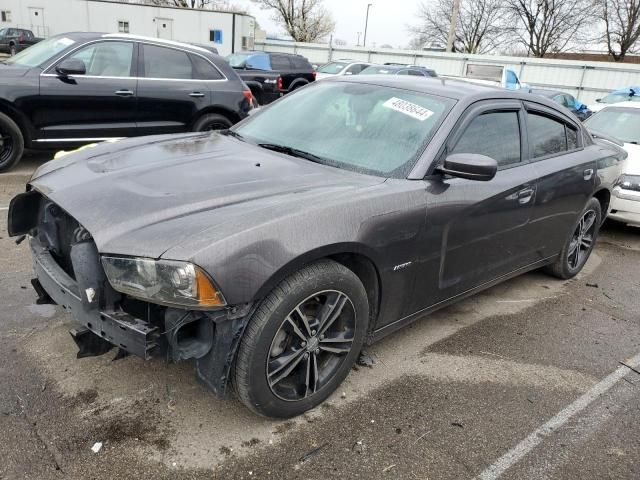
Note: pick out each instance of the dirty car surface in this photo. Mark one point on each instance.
(270, 253)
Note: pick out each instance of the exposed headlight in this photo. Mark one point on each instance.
(629, 182)
(166, 282)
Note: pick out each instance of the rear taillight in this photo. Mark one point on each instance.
(280, 83)
(249, 96)
(314, 75)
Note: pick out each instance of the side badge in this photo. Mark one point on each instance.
(401, 266)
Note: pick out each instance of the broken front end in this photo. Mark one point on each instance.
(146, 307)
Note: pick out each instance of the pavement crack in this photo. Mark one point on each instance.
(32, 424)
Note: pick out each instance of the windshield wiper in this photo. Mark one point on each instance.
(233, 134)
(294, 152)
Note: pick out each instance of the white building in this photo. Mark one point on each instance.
(227, 31)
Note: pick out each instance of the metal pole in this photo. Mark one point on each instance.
(452, 28)
(366, 24)
(359, 33)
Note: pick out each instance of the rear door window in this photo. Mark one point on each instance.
(280, 62)
(161, 62)
(546, 135)
(494, 134)
(417, 73)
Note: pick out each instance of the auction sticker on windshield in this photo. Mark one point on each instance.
(408, 108)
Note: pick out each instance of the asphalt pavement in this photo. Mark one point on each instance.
(535, 378)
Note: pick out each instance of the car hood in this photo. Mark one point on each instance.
(144, 196)
(12, 71)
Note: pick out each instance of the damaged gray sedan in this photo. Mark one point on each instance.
(272, 252)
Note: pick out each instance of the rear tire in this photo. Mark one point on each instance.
(211, 122)
(580, 243)
(302, 341)
(11, 143)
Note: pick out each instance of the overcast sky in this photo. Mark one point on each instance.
(387, 19)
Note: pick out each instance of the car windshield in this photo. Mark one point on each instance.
(619, 122)
(332, 68)
(365, 128)
(40, 52)
(378, 70)
(620, 97)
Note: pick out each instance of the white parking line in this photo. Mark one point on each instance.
(534, 439)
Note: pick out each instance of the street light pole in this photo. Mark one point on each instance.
(366, 24)
(359, 33)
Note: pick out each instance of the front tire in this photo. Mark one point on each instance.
(11, 143)
(13, 50)
(579, 246)
(302, 341)
(212, 122)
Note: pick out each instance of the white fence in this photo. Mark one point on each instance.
(585, 80)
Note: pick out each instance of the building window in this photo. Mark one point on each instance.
(123, 26)
(6, 15)
(215, 36)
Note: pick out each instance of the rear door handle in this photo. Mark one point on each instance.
(196, 94)
(124, 93)
(525, 196)
(587, 174)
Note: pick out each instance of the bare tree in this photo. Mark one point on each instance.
(480, 26)
(622, 26)
(548, 26)
(304, 20)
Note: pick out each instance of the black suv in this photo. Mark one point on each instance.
(78, 88)
(271, 75)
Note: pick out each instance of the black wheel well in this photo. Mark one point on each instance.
(20, 121)
(367, 272)
(604, 197)
(231, 115)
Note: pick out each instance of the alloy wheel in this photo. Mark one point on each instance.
(310, 345)
(582, 240)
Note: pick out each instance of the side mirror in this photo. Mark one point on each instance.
(470, 166)
(598, 100)
(71, 66)
(348, 73)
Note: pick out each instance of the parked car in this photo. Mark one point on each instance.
(271, 252)
(78, 88)
(14, 40)
(496, 75)
(622, 121)
(628, 94)
(341, 67)
(578, 108)
(414, 70)
(271, 75)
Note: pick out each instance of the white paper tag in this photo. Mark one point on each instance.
(408, 108)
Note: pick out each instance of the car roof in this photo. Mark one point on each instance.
(446, 87)
(548, 93)
(621, 104)
(85, 36)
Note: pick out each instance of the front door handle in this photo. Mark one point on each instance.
(525, 196)
(124, 93)
(587, 174)
(196, 94)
